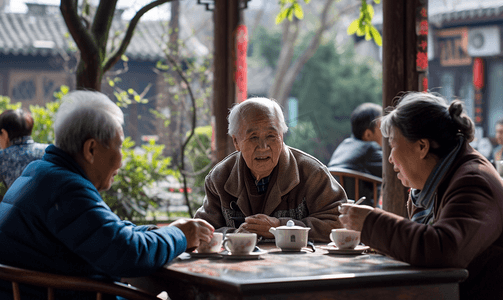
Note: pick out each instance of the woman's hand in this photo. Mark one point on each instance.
(352, 216)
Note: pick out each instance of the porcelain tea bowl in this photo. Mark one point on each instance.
(345, 238)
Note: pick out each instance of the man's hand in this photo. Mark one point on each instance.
(260, 225)
(195, 231)
(352, 216)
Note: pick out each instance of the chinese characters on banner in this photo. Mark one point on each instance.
(422, 44)
(240, 74)
(478, 84)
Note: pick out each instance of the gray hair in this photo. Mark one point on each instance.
(421, 115)
(84, 115)
(270, 107)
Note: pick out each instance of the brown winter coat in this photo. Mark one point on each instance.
(467, 231)
(300, 188)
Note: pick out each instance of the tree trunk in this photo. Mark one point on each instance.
(290, 34)
(286, 70)
(89, 76)
(174, 26)
(175, 135)
(92, 39)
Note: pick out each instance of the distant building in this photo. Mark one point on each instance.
(37, 55)
(466, 58)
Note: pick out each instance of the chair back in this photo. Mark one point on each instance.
(72, 283)
(357, 176)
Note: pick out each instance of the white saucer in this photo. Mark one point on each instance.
(203, 255)
(332, 249)
(251, 255)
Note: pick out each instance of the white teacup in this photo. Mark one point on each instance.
(240, 243)
(345, 238)
(213, 246)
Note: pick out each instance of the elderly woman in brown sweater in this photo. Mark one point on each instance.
(455, 203)
(265, 183)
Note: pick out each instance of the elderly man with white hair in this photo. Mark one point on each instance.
(265, 183)
(53, 218)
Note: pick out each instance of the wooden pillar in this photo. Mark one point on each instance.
(400, 73)
(227, 17)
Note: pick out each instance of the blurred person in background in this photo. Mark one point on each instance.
(18, 148)
(455, 203)
(265, 183)
(498, 150)
(362, 151)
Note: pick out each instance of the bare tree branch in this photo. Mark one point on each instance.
(83, 38)
(114, 58)
(174, 27)
(102, 23)
(285, 76)
(257, 19)
(313, 45)
(290, 34)
(193, 128)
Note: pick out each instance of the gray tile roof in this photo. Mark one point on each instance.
(445, 11)
(466, 10)
(32, 34)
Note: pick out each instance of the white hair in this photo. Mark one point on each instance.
(84, 115)
(270, 107)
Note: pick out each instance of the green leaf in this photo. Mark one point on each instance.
(290, 14)
(65, 89)
(111, 83)
(353, 27)
(124, 57)
(281, 16)
(370, 11)
(299, 14)
(279, 19)
(367, 33)
(377, 1)
(137, 98)
(130, 91)
(361, 29)
(376, 35)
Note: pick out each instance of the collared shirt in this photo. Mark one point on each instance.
(262, 184)
(17, 156)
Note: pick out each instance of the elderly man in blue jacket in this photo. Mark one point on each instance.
(53, 218)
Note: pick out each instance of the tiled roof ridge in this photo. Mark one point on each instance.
(467, 11)
(39, 34)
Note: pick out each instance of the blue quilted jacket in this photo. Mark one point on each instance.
(53, 219)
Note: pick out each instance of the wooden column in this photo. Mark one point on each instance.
(400, 47)
(227, 17)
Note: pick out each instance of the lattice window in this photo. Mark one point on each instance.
(24, 90)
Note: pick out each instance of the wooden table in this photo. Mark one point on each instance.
(304, 275)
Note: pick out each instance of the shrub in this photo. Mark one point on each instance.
(198, 153)
(140, 167)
